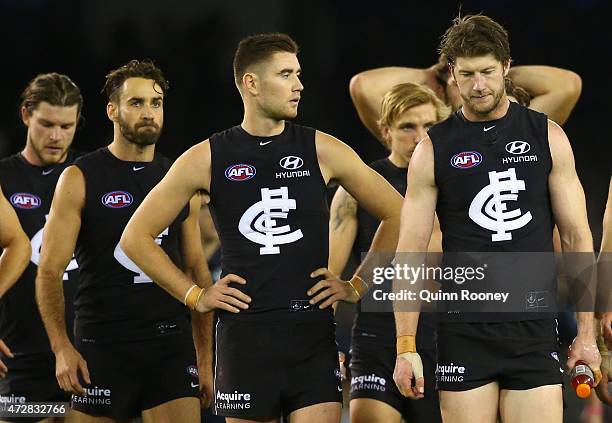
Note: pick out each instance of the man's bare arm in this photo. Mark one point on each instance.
(194, 266)
(555, 91)
(61, 233)
(15, 245)
(368, 88)
(339, 162)
(569, 209)
(417, 224)
(208, 233)
(343, 226)
(187, 176)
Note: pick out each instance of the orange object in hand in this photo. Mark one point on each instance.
(582, 379)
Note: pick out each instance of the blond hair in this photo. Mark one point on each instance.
(406, 96)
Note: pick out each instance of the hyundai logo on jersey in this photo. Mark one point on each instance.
(466, 159)
(240, 172)
(291, 162)
(518, 147)
(24, 200)
(117, 199)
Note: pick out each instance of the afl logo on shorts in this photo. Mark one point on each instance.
(23, 200)
(117, 199)
(240, 172)
(466, 159)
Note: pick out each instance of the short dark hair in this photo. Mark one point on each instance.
(133, 69)
(258, 48)
(475, 35)
(53, 88)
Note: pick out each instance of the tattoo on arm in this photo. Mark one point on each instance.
(346, 208)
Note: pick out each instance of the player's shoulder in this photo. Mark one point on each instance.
(91, 157)
(10, 162)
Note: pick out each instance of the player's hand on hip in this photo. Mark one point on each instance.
(408, 366)
(4, 350)
(606, 328)
(331, 289)
(68, 363)
(585, 348)
(223, 297)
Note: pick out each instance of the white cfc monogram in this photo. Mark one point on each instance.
(490, 211)
(126, 262)
(258, 223)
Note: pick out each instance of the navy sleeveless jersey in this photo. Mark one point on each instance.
(30, 190)
(378, 325)
(269, 205)
(115, 300)
(492, 180)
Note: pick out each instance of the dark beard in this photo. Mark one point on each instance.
(496, 100)
(137, 137)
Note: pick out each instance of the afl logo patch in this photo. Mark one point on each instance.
(193, 371)
(24, 200)
(117, 199)
(240, 172)
(466, 159)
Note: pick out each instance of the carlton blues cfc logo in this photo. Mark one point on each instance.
(466, 159)
(117, 199)
(24, 200)
(490, 208)
(240, 172)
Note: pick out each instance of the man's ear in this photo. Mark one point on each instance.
(250, 83)
(25, 116)
(112, 111)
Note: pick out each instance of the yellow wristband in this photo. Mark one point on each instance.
(406, 343)
(202, 292)
(191, 297)
(359, 285)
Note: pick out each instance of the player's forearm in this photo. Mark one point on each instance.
(382, 248)
(13, 261)
(153, 261)
(50, 300)
(406, 323)
(368, 88)
(202, 327)
(210, 247)
(585, 324)
(555, 91)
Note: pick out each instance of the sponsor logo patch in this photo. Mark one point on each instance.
(24, 200)
(291, 162)
(466, 159)
(240, 172)
(117, 199)
(518, 147)
(193, 371)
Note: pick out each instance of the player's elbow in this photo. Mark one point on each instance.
(571, 86)
(130, 240)
(25, 250)
(357, 87)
